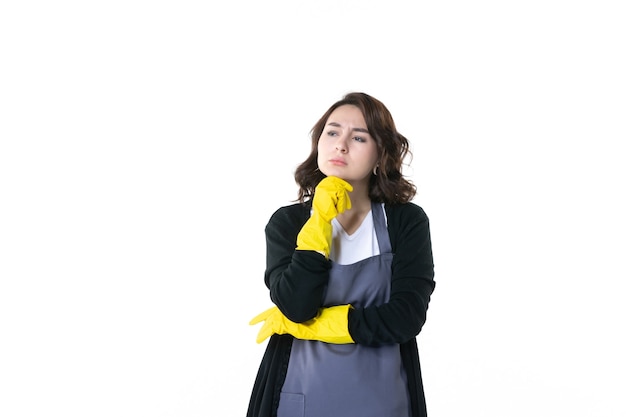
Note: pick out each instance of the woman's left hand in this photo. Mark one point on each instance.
(329, 326)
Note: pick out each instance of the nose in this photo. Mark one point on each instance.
(340, 145)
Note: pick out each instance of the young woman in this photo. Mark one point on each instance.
(350, 271)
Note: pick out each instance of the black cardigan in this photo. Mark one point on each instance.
(297, 280)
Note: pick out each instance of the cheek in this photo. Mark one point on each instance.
(368, 160)
(374, 156)
(322, 147)
(320, 151)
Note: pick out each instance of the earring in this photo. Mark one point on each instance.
(375, 170)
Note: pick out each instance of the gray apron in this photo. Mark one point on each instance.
(325, 380)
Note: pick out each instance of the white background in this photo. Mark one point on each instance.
(144, 146)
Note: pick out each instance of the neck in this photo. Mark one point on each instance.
(360, 199)
(351, 219)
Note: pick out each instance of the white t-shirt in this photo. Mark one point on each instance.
(362, 244)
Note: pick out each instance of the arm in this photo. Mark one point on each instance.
(412, 283)
(296, 273)
(396, 321)
(296, 279)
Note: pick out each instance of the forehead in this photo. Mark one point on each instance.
(347, 114)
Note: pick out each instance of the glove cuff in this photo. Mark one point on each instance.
(316, 235)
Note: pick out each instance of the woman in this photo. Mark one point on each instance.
(350, 271)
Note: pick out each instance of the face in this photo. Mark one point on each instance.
(346, 149)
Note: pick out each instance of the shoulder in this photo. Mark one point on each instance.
(405, 213)
(291, 215)
(409, 232)
(408, 226)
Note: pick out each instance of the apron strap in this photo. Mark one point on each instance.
(380, 226)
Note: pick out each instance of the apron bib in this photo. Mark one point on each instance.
(325, 380)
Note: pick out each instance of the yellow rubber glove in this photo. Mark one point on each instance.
(330, 325)
(330, 199)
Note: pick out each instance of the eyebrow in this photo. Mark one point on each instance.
(357, 129)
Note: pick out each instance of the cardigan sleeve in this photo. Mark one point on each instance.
(296, 279)
(412, 282)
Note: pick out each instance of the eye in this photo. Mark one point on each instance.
(360, 139)
(331, 133)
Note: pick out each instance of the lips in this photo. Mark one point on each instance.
(337, 161)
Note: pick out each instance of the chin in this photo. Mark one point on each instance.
(335, 174)
(333, 171)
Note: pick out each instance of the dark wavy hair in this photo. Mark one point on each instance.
(389, 186)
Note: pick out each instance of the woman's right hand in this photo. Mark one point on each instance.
(331, 198)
